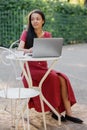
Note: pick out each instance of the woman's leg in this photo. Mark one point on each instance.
(67, 105)
(64, 93)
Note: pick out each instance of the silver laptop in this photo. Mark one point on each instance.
(47, 47)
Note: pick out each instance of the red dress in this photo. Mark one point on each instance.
(51, 86)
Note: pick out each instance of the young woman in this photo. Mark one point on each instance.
(56, 88)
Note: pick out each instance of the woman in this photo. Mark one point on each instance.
(56, 88)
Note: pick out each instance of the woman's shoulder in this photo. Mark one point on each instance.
(24, 32)
(23, 35)
(47, 34)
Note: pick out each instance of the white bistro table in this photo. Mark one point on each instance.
(23, 59)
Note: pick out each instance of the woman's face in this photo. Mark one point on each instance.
(36, 21)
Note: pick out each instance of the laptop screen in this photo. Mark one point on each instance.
(47, 47)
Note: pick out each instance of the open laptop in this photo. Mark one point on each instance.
(47, 47)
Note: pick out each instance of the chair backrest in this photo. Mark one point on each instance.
(14, 47)
(8, 83)
(7, 70)
(14, 44)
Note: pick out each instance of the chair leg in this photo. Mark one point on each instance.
(28, 121)
(25, 108)
(23, 121)
(13, 122)
(17, 121)
(19, 117)
(43, 113)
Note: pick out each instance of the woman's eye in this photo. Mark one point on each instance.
(37, 19)
(32, 19)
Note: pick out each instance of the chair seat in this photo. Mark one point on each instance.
(16, 93)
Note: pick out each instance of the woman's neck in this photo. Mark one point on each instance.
(39, 33)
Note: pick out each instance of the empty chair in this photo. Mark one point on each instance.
(9, 89)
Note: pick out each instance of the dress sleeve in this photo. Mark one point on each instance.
(47, 35)
(23, 36)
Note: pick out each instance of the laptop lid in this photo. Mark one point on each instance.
(47, 47)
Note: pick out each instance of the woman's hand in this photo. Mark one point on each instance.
(31, 50)
(28, 50)
(21, 48)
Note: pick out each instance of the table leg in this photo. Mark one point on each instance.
(44, 99)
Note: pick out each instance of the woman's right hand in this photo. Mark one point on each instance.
(21, 48)
(31, 50)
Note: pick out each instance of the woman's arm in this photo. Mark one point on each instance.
(22, 43)
(21, 48)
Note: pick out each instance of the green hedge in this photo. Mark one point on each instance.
(11, 26)
(62, 20)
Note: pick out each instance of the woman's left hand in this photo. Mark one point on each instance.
(31, 50)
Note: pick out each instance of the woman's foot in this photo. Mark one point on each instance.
(69, 118)
(56, 117)
(73, 119)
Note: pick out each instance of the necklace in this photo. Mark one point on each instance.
(40, 34)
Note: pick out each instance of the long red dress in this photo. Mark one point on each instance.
(51, 86)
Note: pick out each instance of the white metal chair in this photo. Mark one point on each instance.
(14, 44)
(11, 92)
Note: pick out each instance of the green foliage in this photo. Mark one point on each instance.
(68, 21)
(62, 19)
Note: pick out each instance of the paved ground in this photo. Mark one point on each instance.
(74, 64)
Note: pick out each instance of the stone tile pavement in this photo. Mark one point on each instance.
(74, 64)
(36, 120)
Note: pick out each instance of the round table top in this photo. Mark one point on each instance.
(29, 58)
